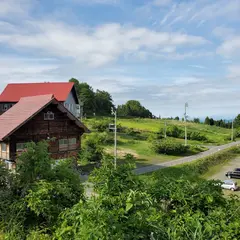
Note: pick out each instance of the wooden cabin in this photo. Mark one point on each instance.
(64, 92)
(39, 118)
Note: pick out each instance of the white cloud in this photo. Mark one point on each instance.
(197, 66)
(187, 80)
(16, 7)
(162, 2)
(224, 32)
(234, 71)
(95, 47)
(90, 2)
(230, 47)
(16, 69)
(198, 12)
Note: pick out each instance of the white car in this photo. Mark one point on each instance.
(230, 185)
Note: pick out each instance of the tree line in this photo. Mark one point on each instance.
(222, 123)
(100, 103)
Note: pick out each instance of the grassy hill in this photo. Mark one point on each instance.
(134, 139)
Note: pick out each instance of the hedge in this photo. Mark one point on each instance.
(198, 167)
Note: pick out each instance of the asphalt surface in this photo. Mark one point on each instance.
(209, 152)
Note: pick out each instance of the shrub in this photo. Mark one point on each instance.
(154, 137)
(174, 131)
(197, 136)
(92, 150)
(167, 146)
(100, 126)
(229, 137)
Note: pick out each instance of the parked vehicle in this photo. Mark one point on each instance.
(233, 174)
(230, 185)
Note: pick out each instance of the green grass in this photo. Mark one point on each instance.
(216, 135)
(141, 148)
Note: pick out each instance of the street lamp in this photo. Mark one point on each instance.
(114, 112)
(185, 119)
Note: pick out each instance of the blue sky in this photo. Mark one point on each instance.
(161, 52)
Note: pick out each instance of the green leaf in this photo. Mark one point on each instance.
(129, 206)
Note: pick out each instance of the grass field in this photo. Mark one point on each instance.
(141, 148)
(216, 135)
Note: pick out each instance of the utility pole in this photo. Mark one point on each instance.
(232, 131)
(185, 119)
(115, 138)
(165, 129)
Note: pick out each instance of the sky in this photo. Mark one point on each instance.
(161, 52)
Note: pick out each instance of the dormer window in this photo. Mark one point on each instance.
(49, 116)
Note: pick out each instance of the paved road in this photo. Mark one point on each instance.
(211, 151)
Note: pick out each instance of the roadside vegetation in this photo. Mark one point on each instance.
(43, 201)
(145, 139)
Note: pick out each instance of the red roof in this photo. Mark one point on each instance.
(14, 91)
(21, 112)
(26, 109)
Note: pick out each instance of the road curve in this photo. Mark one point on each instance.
(209, 152)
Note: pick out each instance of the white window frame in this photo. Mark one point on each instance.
(49, 116)
(3, 144)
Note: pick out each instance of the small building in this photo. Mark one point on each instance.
(39, 118)
(64, 92)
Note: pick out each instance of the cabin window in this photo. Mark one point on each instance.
(72, 141)
(20, 146)
(49, 116)
(63, 144)
(4, 147)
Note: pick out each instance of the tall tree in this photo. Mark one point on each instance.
(196, 120)
(237, 121)
(104, 103)
(86, 95)
(133, 108)
(211, 122)
(207, 121)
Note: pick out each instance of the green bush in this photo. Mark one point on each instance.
(200, 166)
(92, 149)
(197, 136)
(168, 146)
(154, 137)
(100, 126)
(174, 131)
(229, 137)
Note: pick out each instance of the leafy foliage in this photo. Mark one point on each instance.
(133, 108)
(167, 146)
(173, 203)
(94, 103)
(92, 150)
(197, 136)
(174, 131)
(37, 193)
(160, 207)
